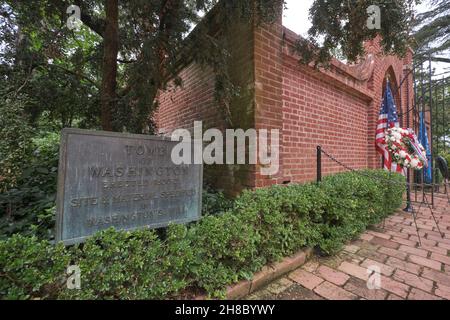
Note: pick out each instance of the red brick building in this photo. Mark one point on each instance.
(336, 108)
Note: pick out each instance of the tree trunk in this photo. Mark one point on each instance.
(109, 67)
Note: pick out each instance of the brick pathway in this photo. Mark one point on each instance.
(408, 271)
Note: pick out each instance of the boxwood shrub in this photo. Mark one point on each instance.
(261, 227)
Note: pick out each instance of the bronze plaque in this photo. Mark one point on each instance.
(125, 181)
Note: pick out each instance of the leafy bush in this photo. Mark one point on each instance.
(354, 202)
(262, 227)
(226, 250)
(28, 207)
(446, 156)
(214, 202)
(15, 142)
(130, 265)
(282, 216)
(31, 268)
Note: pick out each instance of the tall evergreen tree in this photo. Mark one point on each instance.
(432, 34)
(141, 43)
(347, 24)
(126, 50)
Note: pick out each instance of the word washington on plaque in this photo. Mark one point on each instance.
(124, 181)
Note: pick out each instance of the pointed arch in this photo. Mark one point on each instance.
(394, 85)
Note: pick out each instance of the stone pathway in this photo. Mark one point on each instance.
(408, 271)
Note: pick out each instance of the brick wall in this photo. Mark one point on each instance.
(179, 107)
(194, 101)
(315, 112)
(336, 108)
(268, 53)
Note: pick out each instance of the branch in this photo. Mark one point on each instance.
(23, 85)
(75, 74)
(126, 61)
(440, 59)
(96, 25)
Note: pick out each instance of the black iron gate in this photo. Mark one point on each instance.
(432, 100)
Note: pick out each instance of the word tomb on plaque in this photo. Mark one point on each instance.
(123, 181)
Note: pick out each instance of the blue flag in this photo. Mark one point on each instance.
(388, 118)
(423, 139)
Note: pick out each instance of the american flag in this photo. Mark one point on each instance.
(388, 119)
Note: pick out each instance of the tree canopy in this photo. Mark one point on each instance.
(343, 24)
(432, 32)
(107, 73)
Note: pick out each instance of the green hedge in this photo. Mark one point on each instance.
(263, 226)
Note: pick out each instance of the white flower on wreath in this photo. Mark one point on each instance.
(403, 154)
(414, 163)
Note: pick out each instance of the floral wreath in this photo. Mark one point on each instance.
(405, 148)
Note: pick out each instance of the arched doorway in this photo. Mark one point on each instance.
(390, 80)
(389, 77)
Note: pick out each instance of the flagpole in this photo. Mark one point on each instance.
(431, 128)
(408, 172)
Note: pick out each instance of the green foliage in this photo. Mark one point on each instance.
(66, 69)
(282, 217)
(56, 69)
(15, 140)
(31, 268)
(262, 227)
(124, 265)
(41, 55)
(356, 202)
(447, 157)
(226, 249)
(343, 24)
(29, 206)
(214, 202)
(433, 31)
